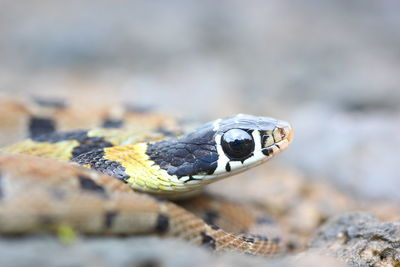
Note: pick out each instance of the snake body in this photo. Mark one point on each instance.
(41, 192)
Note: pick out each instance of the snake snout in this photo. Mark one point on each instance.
(285, 130)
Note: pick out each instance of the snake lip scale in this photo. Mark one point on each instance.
(91, 200)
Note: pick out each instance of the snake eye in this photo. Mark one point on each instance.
(237, 144)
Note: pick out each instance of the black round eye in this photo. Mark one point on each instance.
(237, 144)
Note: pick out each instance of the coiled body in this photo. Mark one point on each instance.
(101, 200)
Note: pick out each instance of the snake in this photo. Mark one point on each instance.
(117, 180)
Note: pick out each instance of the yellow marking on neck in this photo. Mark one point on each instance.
(58, 151)
(145, 174)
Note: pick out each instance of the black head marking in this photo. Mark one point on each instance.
(162, 223)
(191, 154)
(199, 153)
(196, 153)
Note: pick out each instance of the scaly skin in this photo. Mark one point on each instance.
(64, 195)
(38, 195)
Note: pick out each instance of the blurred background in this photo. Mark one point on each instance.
(331, 68)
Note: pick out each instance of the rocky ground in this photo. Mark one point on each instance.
(331, 69)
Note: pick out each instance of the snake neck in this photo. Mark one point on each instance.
(150, 167)
(186, 156)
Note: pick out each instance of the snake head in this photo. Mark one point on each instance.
(222, 148)
(244, 141)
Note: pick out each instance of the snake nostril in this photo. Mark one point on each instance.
(285, 132)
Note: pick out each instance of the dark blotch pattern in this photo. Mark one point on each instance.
(90, 144)
(211, 216)
(112, 123)
(50, 103)
(109, 219)
(191, 154)
(95, 159)
(248, 239)
(41, 126)
(162, 223)
(80, 136)
(264, 220)
(261, 237)
(277, 240)
(86, 143)
(88, 184)
(214, 227)
(208, 241)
